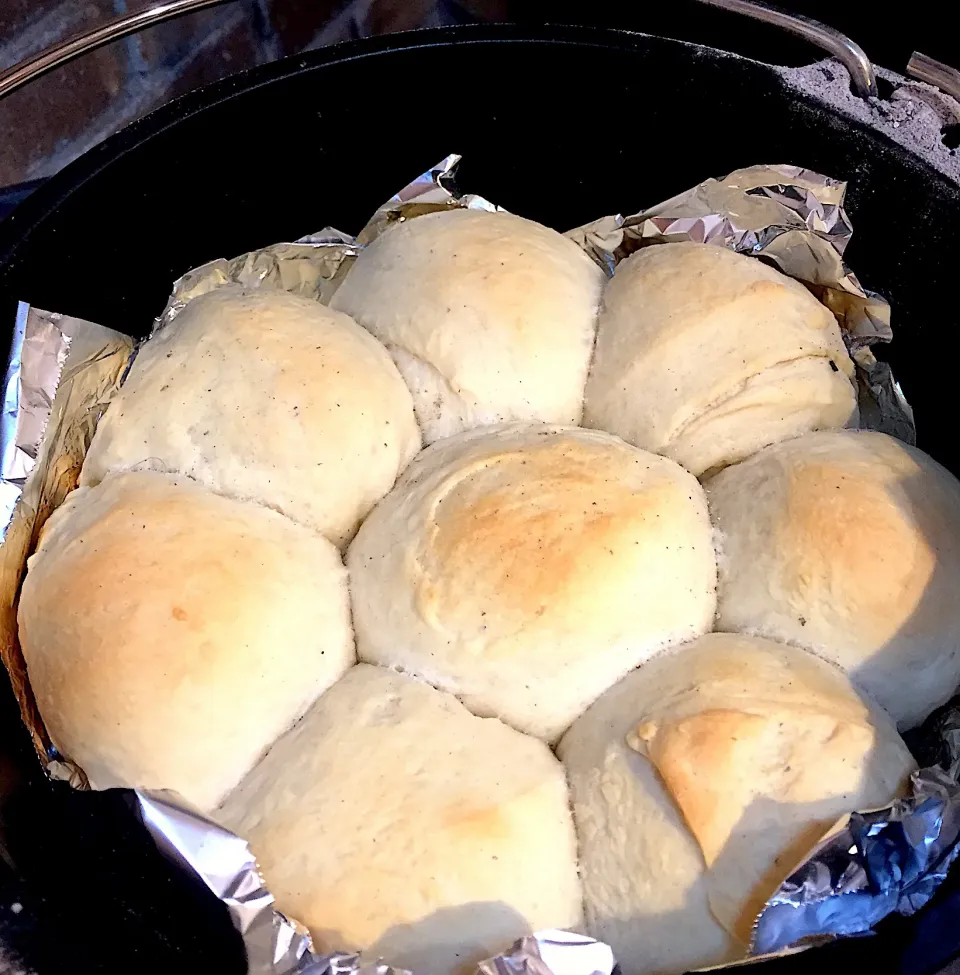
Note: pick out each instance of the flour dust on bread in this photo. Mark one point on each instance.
(489, 317)
(702, 778)
(266, 396)
(392, 821)
(848, 543)
(171, 634)
(526, 568)
(705, 355)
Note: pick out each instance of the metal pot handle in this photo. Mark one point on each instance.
(934, 73)
(850, 53)
(854, 58)
(85, 41)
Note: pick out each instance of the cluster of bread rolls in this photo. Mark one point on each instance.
(593, 692)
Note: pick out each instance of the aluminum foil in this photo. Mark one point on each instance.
(794, 219)
(552, 953)
(276, 945)
(314, 266)
(436, 189)
(871, 864)
(51, 356)
(37, 355)
(790, 217)
(225, 864)
(60, 374)
(308, 267)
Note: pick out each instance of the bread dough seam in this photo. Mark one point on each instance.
(735, 392)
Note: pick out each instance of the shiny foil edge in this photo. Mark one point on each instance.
(310, 267)
(61, 374)
(792, 218)
(874, 863)
(277, 945)
(314, 265)
(37, 354)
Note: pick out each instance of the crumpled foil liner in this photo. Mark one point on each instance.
(225, 864)
(552, 953)
(791, 217)
(50, 355)
(33, 373)
(794, 219)
(314, 266)
(276, 945)
(307, 267)
(62, 372)
(874, 863)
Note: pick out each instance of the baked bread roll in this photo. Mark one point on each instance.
(705, 356)
(488, 316)
(525, 568)
(266, 396)
(699, 782)
(392, 820)
(171, 634)
(848, 544)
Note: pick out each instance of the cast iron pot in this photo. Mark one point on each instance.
(558, 124)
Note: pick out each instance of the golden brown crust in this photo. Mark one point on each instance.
(448, 840)
(265, 396)
(847, 543)
(527, 567)
(490, 317)
(705, 356)
(751, 747)
(170, 634)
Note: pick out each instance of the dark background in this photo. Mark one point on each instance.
(53, 120)
(889, 33)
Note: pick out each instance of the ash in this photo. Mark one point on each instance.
(910, 113)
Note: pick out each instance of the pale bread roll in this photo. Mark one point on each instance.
(848, 544)
(394, 821)
(525, 568)
(266, 396)
(488, 316)
(700, 780)
(171, 634)
(705, 356)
